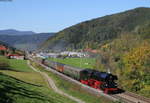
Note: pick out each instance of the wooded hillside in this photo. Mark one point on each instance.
(92, 33)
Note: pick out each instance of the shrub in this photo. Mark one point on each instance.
(4, 63)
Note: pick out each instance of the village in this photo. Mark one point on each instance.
(63, 54)
(10, 54)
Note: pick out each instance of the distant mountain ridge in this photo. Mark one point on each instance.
(24, 40)
(90, 34)
(15, 32)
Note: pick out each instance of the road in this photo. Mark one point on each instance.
(52, 85)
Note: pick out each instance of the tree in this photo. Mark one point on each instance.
(4, 63)
(137, 63)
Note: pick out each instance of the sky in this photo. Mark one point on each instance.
(56, 15)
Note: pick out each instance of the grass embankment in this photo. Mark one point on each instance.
(73, 89)
(22, 85)
(76, 62)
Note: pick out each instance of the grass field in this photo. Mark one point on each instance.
(73, 89)
(19, 65)
(13, 90)
(76, 62)
(30, 77)
(21, 84)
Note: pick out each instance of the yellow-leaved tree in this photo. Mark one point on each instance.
(137, 68)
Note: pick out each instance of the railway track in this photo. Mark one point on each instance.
(122, 99)
(126, 97)
(129, 97)
(136, 98)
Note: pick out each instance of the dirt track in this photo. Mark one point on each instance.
(52, 85)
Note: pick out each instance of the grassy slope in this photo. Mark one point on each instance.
(76, 62)
(15, 91)
(73, 89)
(19, 65)
(29, 77)
(26, 86)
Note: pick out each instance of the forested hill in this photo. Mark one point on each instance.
(90, 34)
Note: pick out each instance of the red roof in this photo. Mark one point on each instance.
(14, 55)
(91, 50)
(2, 47)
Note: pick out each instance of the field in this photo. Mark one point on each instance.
(21, 84)
(19, 65)
(73, 89)
(76, 62)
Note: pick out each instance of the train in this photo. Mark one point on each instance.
(99, 80)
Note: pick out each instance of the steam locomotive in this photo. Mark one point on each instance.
(93, 78)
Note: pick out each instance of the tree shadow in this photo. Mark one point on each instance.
(9, 69)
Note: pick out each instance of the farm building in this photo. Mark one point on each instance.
(3, 50)
(15, 56)
(3, 47)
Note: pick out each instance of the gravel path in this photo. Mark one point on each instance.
(52, 85)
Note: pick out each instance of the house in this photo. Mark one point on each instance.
(15, 56)
(91, 50)
(3, 48)
(53, 55)
(40, 55)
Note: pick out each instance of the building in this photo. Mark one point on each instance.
(75, 54)
(16, 56)
(3, 48)
(53, 55)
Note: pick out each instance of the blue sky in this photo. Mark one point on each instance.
(55, 15)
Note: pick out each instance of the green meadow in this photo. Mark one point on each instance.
(20, 65)
(76, 62)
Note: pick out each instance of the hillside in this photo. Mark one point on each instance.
(25, 42)
(20, 84)
(92, 33)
